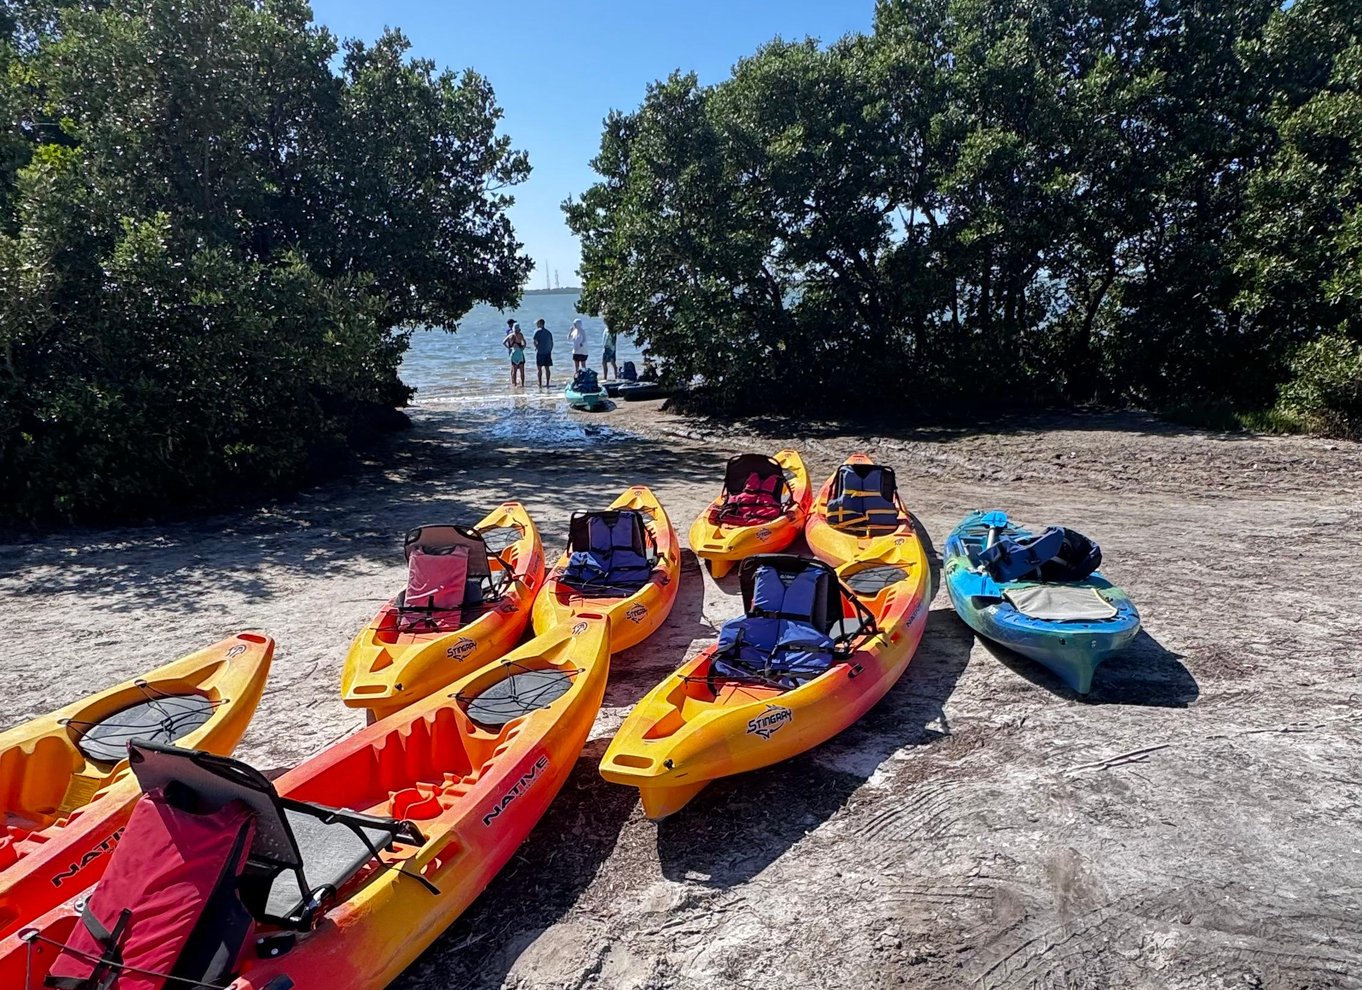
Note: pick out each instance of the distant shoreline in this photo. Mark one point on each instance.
(564, 291)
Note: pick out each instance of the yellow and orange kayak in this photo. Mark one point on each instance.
(723, 542)
(472, 768)
(839, 537)
(65, 787)
(400, 657)
(696, 726)
(633, 616)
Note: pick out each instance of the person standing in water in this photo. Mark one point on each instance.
(515, 343)
(543, 353)
(577, 338)
(608, 355)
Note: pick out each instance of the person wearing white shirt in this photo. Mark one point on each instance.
(577, 338)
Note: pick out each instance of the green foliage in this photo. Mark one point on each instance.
(210, 237)
(1062, 200)
(1326, 385)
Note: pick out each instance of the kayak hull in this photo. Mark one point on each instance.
(724, 545)
(475, 793)
(62, 811)
(585, 400)
(387, 669)
(1070, 650)
(836, 546)
(687, 732)
(635, 617)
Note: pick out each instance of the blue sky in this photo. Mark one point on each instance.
(558, 68)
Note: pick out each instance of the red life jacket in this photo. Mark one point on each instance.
(167, 904)
(756, 503)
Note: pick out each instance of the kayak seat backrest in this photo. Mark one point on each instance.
(445, 538)
(300, 852)
(1013, 558)
(864, 499)
(585, 381)
(783, 638)
(436, 581)
(628, 372)
(1077, 557)
(608, 551)
(167, 903)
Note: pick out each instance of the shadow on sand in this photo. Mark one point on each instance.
(353, 525)
(536, 888)
(736, 827)
(1144, 673)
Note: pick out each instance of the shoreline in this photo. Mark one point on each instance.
(976, 812)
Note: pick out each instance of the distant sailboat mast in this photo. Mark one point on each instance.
(546, 277)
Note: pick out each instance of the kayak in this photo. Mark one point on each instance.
(1069, 626)
(361, 856)
(623, 562)
(411, 648)
(857, 513)
(65, 788)
(738, 705)
(746, 519)
(585, 399)
(634, 391)
(612, 386)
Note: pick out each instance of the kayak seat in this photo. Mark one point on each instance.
(301, 853)
(585, 381)
(608, 552)
(864, 499)
(783, 638)
(167, 902)
(754, 491)
(449, 578)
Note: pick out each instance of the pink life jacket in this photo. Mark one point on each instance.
(436, 585)
(755, 504)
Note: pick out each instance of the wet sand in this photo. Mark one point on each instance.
(1194, 823)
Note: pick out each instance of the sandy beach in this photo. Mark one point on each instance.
(1195, 823)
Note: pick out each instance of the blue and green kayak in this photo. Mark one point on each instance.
(1008, 587)
(585, 398)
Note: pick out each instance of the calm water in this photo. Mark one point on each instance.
(472, 366)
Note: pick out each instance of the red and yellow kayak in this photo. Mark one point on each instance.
(693, 727)
(836, 542)
(474, 791)
(389, 666)
(724, 544)
(65, 787)
(633, 617)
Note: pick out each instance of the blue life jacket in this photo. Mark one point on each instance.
(1058, 554)
(861, 502)
(782, 639)
(614, 556)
